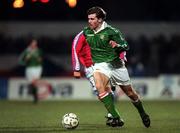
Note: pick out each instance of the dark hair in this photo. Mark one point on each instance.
(100, 13)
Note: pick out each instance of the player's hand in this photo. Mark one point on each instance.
(113, 44)
(77, 74)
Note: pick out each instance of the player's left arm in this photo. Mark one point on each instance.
(118, 42)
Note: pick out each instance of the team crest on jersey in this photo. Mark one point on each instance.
(102, 37)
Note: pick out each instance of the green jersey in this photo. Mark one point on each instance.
(31, 57)
(101, 50)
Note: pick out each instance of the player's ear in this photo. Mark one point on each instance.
(100, 20)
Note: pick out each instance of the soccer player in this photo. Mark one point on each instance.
(81, 55)
(106, 42)
(31, 57)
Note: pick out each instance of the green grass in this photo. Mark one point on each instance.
(45, 117)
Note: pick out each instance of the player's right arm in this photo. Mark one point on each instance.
(23, 58)
(77, 45)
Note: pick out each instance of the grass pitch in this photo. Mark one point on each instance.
(45, 117)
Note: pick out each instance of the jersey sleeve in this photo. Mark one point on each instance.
(22, 57)
(76, 48)
(118, 38)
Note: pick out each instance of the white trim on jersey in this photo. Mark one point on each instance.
(75, 42)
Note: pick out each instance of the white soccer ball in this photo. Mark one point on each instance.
(70, 121)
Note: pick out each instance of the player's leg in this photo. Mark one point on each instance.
(34, 91)
(121, 77)
(109, 117)
(33, 74)
(101, 81)
(131, 93)
(89, 75)
(32, 87)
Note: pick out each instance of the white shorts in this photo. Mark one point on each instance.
(33, 73)
(117, 76)
(104, 68)
(120, 76)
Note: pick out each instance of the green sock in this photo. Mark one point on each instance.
(139, 107)
(109, 104)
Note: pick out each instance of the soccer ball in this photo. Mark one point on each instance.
(70, 121)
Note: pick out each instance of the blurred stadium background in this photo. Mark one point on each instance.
(151, 27)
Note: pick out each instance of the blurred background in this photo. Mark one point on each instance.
(151, 27)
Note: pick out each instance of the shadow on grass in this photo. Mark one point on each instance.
(87, 128)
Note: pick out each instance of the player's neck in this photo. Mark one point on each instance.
(100, 27)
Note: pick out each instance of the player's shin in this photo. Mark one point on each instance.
(139, 106)
(108, 101)
(144, 116)
(34, 92)
(131, 93)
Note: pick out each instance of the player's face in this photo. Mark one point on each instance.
(33, 44)
(93, 21)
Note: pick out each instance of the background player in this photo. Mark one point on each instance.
(32, 59)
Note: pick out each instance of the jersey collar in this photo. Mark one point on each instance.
(103, 26)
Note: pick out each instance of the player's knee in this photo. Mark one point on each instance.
(99, 86)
